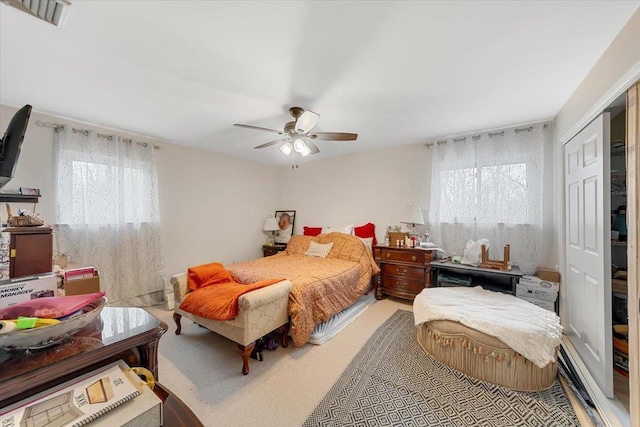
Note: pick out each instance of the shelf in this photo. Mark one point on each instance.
(618, 243)
(18, 198)
(618, 151)
(618, 193)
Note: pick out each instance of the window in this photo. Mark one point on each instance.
(490, 186)
(108, 213)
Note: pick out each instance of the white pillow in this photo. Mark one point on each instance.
(347, 229)
(318, 249)
(368, 242)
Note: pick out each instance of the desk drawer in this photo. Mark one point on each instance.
(399, 270)
(417, 257)
(403, 285)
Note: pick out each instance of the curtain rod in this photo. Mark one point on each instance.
(61, 127)
(478, 136)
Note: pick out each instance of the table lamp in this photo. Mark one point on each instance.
(271, 225)
(413, 215)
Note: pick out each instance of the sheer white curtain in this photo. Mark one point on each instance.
(491, 186)
(108, 213)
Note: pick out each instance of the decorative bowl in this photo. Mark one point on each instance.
(46, 336)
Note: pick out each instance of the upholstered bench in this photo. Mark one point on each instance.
(490, 336)
(259, 312)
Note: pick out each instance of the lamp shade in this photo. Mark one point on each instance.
(413, 215)
(271, 224)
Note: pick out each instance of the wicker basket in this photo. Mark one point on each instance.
(394, 236)
(24, 221)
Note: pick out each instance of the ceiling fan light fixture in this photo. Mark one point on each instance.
(307, 121)
(299, 145)
(305, 151)
(286, 148)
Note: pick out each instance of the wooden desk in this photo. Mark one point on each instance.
(494, 280)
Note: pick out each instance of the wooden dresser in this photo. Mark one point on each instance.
(404, 272)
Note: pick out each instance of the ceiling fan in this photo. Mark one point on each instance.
(296, 136)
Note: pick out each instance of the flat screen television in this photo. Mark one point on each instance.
(11, 143)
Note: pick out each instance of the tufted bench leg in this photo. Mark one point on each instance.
(176, 318)
(246, 352)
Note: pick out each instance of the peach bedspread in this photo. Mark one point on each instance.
(322, 287)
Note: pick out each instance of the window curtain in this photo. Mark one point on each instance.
(491, 186)
(108, 214)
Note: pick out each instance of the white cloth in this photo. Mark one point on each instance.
(528, 329)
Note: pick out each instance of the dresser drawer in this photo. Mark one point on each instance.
(402, 285)
(401, 270)
(417, 257)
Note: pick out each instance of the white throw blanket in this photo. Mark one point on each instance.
(528, 329)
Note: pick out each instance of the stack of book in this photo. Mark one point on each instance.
(110, 396)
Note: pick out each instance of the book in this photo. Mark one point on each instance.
(143, 411)
(79, 273)
(76, 402)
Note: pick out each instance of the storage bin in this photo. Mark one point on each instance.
(449, 280)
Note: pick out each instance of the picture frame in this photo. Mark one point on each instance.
(286, 221)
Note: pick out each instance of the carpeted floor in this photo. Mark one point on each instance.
(393, 382)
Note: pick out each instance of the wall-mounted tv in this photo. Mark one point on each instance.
(11, 143)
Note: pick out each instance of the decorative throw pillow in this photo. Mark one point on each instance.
(318, 249)
(206, 275)
(367, 230)
(368, 242)
(311, 231)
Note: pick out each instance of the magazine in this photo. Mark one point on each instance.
(78, 401)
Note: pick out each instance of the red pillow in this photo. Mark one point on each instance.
(206, 275)
(367, 230)
(311, 231)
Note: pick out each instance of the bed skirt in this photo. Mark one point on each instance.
(482, 356)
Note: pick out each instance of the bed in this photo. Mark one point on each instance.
(322, 286)
(488, 335)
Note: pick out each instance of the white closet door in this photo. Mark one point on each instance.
(587, 283)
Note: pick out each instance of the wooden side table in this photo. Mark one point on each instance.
(268, 250)
(404, 272)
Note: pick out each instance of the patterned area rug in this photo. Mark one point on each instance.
(393, 382)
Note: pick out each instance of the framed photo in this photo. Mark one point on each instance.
(29, 191)
(286, 220)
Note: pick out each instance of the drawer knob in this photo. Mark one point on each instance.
(388, 256)
(414, 258)
(401, 272)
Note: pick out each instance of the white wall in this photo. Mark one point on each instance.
(620, 57)
(212, 207)
(374, 186)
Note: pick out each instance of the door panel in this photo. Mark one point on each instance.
(588, 261)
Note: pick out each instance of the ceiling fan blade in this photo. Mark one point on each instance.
(334, 136)
(258, 128)
(312, 147)
(307, 121)
(269, 144)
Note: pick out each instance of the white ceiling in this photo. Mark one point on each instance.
(394, 72)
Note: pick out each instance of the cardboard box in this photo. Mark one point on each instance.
(16, 290)
(548, 275)
(534, 287)
(89, 285)
(547, 305)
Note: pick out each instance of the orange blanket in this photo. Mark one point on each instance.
(220, 301)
